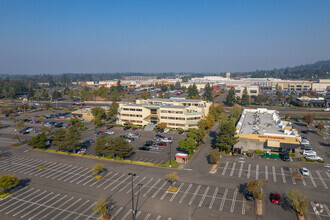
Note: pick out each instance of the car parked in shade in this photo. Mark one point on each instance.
(276, 198)
(146, 148)
(110, 126)
(248, 195)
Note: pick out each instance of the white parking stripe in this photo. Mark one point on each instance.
(33, 168)
(16, 207)
(19, 201)
(174, 195)
(49, 213)
(185, 193)
(75, 210)
(303, 180)
(86, 177)
(138, 214)
(266, 172)
(232, 169)
(78, 172)
(144, 185)
(328, 174)
(117, 212)
(40, 205)
(317, 214)
(86, 210)
(165, 193)
(136, 184)
(67, 208)
(59, 172)
(322, 180)
(233, 202)
(66, 173)
(92, 179)
(127, 213)
(43, 210)
(203, 198)
(115, 181)
(154, 195)
(194, 195)
(257, 171)
(49, 194)
(240, 170)
(225, 168)
(274, 174)
(46, 170)
(293, 179)
(107, 180)
(79, 175)
(158, 217)
(128, 183)
(326, 209)
(108, 174)
(283, 177)
(16, 197)
(243, 206)
(17, 165)
(213, 197)
(146, 193)
(37, 171)
(147, 216)
(223, 200)
(249, 171)
(312, 179)
(69, 173)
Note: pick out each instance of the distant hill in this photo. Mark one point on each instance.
(318, 70)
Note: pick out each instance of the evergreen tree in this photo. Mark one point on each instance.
(59, 139)
(245, 97)
(192, 92)
(72, 139)
(38, 141)
(231, 97)
(177, 86)
(208, 93)
(226, 137)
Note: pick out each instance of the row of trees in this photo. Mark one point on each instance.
(194, 140)
(100, 114)
(117, 147)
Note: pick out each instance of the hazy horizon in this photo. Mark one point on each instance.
(55, 37)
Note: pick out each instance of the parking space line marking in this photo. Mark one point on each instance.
(70, 174)
(18, 165)
(174, 195)
(144, 185)
(87, 209)
(165, 193)
(107, 180)
(49, 194)
(303, 180)
(32, 168)
(128, 183)
(291, 160)
(257, 171)
(46, 170)
(146, 218)
(150, 161)
(249, 171)
(233, 201)
(146, 193)
(225, 168)
(48, 207)
(266, 172)
(36, 171)
(13, 162)
(127, 213)
(16, 207)
(185, 193)
(312, 179)
(92, 179)
(88, 176)
(38, 206)
(66, 209)
(58, 173)
(194, 195)
(156, 161)
(232, 169)
(293, 179)
(213, 197)
(322, 180)
(316, 211)
(57, 208)
(17, 201)
(328, 174)
(158, 217)
(274, 174)
(79, 174)
(243, 206)
(154, 195)
(136, 184)
(283, 176)
(99, 181)
(203, 197)
(16, 197)
(114, 181)
(138, 214)
(161, 161)
(223, 200)
(75, 210)
(326, 209)
(117, 212)
(240, 170)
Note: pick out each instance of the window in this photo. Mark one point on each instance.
(132, 109)
(126, 109)
(253, 91)
(139, 110)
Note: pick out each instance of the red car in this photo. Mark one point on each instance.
(276, 198)
(68, 125)
(36, 122)
(162, 143)
(101, 132)
(134, 129)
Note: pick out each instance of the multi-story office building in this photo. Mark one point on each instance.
(175, 113)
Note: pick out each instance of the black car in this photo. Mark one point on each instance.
(181, 132)
(159, 136)
(285, 156)
(109, 127)
(150, 143)
(146, 148)
(248, 195)
(306, 131)
(127, 128)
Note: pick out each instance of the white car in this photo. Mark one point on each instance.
(326, 109)
(166, 130)
(309, 153)
(167, 140)
(314, 158)
(110, 132)
(82, 150)
(304, 171)
(304, 142)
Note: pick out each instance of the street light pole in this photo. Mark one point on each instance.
(133, 212)
(137, 200)
(170, 154)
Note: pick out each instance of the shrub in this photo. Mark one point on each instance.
(98, 168)
(4, 195)
(214, 156)
(319, 133)
(292, 154)
(40, 167)
(173, 189)
(258, 151)
(98, 177)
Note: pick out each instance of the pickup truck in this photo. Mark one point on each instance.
(309, 153)
(314, 158)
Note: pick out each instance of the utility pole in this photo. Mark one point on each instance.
(137, 200)
(133, 212)
(170, 154)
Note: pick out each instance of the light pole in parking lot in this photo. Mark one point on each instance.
(170, 154)
(133, 212)
(137, 200)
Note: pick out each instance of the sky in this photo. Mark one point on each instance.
(67, 36)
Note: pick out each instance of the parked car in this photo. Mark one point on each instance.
(166, 130)
(276, 198)
(167, 140)
(90, 141)
(304, 171)
(306, 131)
(285, 156)
(110, 132)
(146, 148)
(314, 157)
(303, 137)
(101, 132)
(248, 195)
(304, 142)
(155, 147)
(326, 109)
(82, 150)
(309, 153)
(109, 127)
(149, 143)
(134, 129)
(162, 143)
(127, 128)
(308, 148)
(181, 131)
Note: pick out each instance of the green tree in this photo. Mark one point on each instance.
(98, 168)
(144, 95)
(172, 177)
(72, 139)
(226, 137)
(163, 88)
(113, 147)
(320, 126)
(113, 111)
(188, 145)
(56, 94)
(193, 92)
(38, 141)
(308, 119)
(214, 156)
(172, 87)
(102, 207)
(208, 93)
(177, 86)
(7, 182)
(235, 112)
(119, 86)
(44, 94)
(245, 97)
(48, 106)
(121, 147)
(99, 114)
(160, 95)
(197, 134)
(255, 186)
(19, 124)
(17, 137)
(298, 201)
(231, 97)
(59, 139)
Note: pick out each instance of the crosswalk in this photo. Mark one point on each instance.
(31, 203)
(281, 174)
(195, 195)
